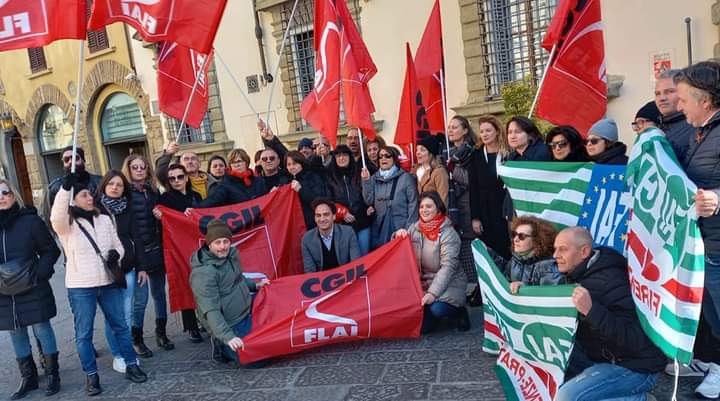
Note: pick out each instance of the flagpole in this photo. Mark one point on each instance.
(237, 84)
(277, 67)
(542, 80)
(444, 106)
(192, 94)
(362, 151)
(78, 97)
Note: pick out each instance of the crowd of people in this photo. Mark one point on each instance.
(355, 198)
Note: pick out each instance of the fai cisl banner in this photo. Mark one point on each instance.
(267, 231)
(376, 296)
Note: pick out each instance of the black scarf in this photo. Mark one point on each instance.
(79, 213)
(8, 215)
(115, 206)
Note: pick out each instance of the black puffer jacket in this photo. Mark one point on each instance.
(611, 332)
(614, 155)
(535, 152)
(127, 232)
(24, 235)
(346, 189)
(149, 250)
(176, 200)
(313, 187)
(679, 132)
(233, 190)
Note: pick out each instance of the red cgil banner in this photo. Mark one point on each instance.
(267, 231)
(376, 296)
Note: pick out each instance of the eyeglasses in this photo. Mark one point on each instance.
(558, 145)
(176, 177)
(268, 159)
(67, 159)
(5, 193)
(384, 156)
(521, 236)
(138, 167)
(593, 141)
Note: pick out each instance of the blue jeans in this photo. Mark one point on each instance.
(363, 239)
(43, 333)
(127, 304)
(603, 381)
(240, 329)
(711, 295)
(83, 302)
(156, 283)
(437, 310)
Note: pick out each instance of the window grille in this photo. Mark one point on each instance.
(37, 59)
(512, 31)
(189, 134)
(96, 40)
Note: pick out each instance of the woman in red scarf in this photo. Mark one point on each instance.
(239, 185)
(437, 247)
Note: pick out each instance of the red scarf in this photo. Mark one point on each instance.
(245, 175)
(431, 229)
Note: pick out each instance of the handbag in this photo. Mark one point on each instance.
(113, 269)
(18, 275)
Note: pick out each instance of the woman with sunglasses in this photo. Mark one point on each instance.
(437, 248)
(566, 144)
(33, 305)
(151, 268)
(240, 183)
(526, 142)
(308, 184)
(391, 194)
(602, 143)
(112, 199)
(532, 261)
(180, 196)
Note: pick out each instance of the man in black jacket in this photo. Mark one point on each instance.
(612, 357)
(673, 123)
(91, 181)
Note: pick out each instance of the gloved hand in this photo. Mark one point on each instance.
(113, 257)
(70, 180)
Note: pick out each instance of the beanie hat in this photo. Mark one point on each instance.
(606, 129)
(217, 229)
(305, 143)
(431, 143)
(649, 112)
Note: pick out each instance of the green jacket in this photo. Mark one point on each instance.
(222, 293)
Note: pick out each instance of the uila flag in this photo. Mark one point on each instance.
(36, 23)
(574, 90)
(178, 68)
(430, 67)
(412, 116)
(533, 332)
(665, 247)
(376, 296)
(267, 231)
(573, 194)
(191, 23)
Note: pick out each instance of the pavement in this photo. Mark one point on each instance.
(446, 365)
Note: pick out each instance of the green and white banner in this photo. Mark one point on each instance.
(665, 247)
(533, 331)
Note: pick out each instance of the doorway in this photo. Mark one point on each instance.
(21, 171)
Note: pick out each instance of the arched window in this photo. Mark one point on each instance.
(54, 129)
(121, 118)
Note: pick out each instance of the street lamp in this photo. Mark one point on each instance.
(6, 121)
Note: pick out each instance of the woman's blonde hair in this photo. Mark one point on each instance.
(14, 191)
(149, 179)
(502, 135)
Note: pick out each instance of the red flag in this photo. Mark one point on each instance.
(178, 68)
(191, 23)
(429, 65)
(574, 91)
(321, 107)
(412, 117)
(358, 69)
(36, 23)
(376, 296)
(267, 231)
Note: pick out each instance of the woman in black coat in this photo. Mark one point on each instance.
(151, 269)
(239, 185)
(26, 240)
(308, 184)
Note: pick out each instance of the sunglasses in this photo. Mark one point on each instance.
(176, 177)
(558, 145)
(67, 159)
(138, 167)
(593, 141)
(5, 193)
(521, 236)
(384, 156)
(268, 159)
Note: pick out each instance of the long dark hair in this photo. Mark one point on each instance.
(528, 126)
(470, 136)
(176, 166)
(127, 189)
(297, 157)
(577, 147)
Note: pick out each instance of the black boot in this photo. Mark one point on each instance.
(161, 336)
(92, 385)
(28, 377)
(140, 348)
(463, 322)
(135, 375)
(52, 374)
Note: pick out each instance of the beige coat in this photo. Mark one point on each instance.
(436, 179)
(83, 268)
(441, 274)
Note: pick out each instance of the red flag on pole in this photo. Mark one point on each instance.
(178, 68)
(358, 69)
(36, 23)
(574, 89)
(412, 117)
(429, 65)
(191, 23)
(321, 107)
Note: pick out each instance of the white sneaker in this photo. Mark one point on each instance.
(710, 386)
(119, 364)
(695, 368)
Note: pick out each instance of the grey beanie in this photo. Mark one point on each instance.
(605, 128)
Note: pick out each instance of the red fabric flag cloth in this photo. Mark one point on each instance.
(376, 296)
(574, 91)
(358, 69)
(36, 23)
(178, 68)
(321, 107)
(267, 232)
(412, 117)
(429, 64)
(191, 23)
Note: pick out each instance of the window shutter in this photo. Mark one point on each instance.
(37, 59)
(96, 40)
